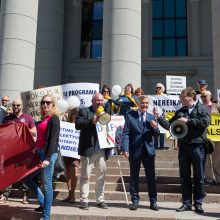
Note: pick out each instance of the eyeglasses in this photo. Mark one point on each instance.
(16, 105)
(158, 87)
(203, 96)
(5, 100)
(106, 91)
(46, 102)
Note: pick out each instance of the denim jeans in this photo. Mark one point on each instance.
(45, 199)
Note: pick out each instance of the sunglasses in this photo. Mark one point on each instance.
(46, 102)
(16, 105)
(5, 100)
(158, 87)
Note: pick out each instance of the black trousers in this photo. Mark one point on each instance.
(192, 155)
(149, 166)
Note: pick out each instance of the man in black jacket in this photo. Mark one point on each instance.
(91, 153)
(191, 148)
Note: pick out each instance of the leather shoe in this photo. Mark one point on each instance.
(84, 206)
(133, 206)
(184, 208)
(102, 205)
(199, 209)
(154, 206)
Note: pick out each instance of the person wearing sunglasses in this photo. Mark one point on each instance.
(18, 116)
(47, 142)
(212, 163)
(159, 92)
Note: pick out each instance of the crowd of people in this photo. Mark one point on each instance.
(140, 139)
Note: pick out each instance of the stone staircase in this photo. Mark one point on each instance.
(168, 187)
(167, 177)
(167, 174)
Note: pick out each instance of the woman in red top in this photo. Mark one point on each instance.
(47, 146)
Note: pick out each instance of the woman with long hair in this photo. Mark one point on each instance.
(47, 147)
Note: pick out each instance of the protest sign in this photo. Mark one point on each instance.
(213, 131)
(165, 103)
(110, 135)
(69, 140)
(175, 84)
(31, 99)
(84, 91)
(218, 96)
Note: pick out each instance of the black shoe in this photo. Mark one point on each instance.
(84, 206)
(154, 206)
(199, 209)
(133, 206)
(102, 205)
(39, 209)
(184, 208)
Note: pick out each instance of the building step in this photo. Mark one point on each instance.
(118, 210)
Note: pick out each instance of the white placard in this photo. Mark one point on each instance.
(69, 140)
(175, 84)
(84, 91)
(31, 99)
(110, 135)
(218, 96)
(165, 103)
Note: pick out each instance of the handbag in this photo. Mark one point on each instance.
(209, 146)
(59, 165)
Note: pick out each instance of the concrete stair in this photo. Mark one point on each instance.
(168, 187)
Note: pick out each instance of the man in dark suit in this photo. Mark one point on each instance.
(90, 152)
(137, 145)
(191, 148)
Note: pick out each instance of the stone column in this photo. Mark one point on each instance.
(146, 29)
(72, 34)
(194, 28)
(49, 51)
(121, 52)
(18, 45)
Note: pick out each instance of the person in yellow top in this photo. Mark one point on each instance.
(127, 101)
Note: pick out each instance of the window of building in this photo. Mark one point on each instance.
(169, 28)
(91, 35)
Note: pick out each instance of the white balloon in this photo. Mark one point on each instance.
(74, 102)
(116, 90)
(62, 106)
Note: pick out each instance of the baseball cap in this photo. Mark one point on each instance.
(202, 82)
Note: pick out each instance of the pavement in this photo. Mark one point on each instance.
(118, 210)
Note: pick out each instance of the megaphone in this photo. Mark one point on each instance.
(104, 118)
(178, 129)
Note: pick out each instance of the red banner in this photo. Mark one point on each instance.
(17, 156)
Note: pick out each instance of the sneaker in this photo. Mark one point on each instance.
(3, 199)
(102, 205)
(25, 200)
(84, 206)
(39, 209)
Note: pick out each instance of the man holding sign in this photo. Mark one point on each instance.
(91, 153)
